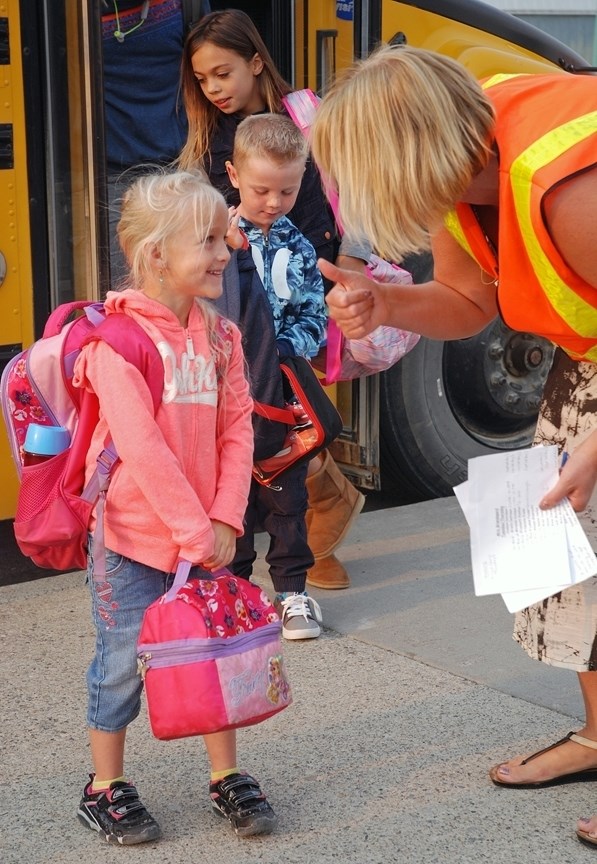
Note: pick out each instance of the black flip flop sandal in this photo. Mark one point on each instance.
(588, 775)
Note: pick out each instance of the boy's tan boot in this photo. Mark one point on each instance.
(328, 573)
(333, 505)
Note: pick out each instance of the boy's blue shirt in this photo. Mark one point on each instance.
(287, 265)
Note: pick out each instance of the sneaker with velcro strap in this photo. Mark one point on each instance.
(238, 797)
(117, 814)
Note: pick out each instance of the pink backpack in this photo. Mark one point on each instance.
(54, 505)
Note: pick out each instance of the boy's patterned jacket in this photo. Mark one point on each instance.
(287, 266)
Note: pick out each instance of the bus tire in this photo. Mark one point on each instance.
(447, 402)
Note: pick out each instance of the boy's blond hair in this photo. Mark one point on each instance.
(269, 136)
(401, 135)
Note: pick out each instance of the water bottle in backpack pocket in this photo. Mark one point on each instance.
(43, 442)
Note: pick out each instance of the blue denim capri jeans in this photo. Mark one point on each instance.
(118, 603)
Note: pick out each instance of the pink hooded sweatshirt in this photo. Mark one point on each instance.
(189, 463)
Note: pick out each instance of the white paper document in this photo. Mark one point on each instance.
(517, 549)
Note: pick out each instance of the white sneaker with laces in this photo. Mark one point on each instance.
(301, 616)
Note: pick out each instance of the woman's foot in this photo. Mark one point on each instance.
(586, 831)
(572, 759)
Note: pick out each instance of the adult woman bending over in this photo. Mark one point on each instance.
(499, 179)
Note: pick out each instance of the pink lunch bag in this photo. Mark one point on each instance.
(210, 654)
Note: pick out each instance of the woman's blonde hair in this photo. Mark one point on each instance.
(400, 136)
(155, 208)
(232, 30)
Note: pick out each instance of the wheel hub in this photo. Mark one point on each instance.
(516, 366)
(495, 382)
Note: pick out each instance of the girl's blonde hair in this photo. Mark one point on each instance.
(155, 208)
(400, 136)
(232, 30)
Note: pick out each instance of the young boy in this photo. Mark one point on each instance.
(268, 163)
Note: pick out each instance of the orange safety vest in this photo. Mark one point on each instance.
(546, 132)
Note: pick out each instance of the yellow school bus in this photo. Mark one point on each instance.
(413, 427)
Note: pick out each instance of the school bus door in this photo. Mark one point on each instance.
(50, 138)
(328, 35)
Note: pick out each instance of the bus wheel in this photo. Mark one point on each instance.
(446, 402)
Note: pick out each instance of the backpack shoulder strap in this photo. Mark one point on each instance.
(192, 11)
(301, 106)
(271, 412)
(126, 337)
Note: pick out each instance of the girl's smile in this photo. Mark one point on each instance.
(191, 266)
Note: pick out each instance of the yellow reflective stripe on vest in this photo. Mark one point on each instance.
(590, 355)
(452, 224)
(500, 78)
(580, 316)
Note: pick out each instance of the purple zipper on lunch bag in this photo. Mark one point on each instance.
(181, 651)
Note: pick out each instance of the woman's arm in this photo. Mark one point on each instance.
(570, 214)
(460, 301)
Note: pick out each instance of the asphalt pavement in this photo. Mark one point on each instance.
(412, 692)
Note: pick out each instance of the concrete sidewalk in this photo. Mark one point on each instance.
(413, 691)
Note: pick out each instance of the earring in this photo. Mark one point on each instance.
(161, 276)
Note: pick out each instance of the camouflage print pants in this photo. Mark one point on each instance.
(562, 630)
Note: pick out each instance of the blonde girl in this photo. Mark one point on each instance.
(180, 489)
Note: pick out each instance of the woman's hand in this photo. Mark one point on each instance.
(455, 304)
(224, 546)
(577, 478)
(356, 303)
